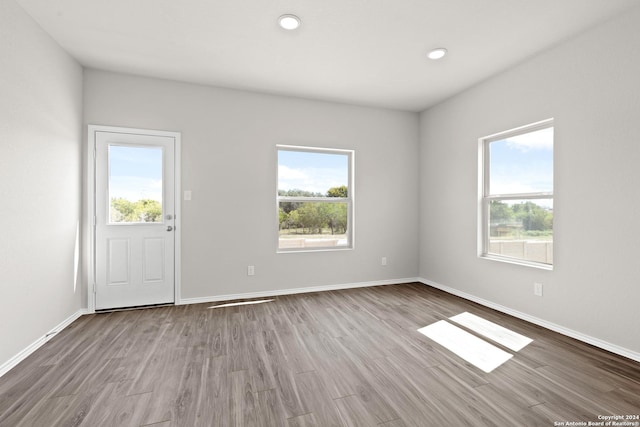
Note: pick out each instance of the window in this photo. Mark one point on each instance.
(135, 184)
(314, 199)
(516, 211)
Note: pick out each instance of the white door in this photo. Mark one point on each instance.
(134, 219)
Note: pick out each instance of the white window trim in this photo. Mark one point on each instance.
(485, 198)
(350, 200)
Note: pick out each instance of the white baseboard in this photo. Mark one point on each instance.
(613, 348)
(9, 364)
(291, 291)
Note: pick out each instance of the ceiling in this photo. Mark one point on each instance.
(365, 52)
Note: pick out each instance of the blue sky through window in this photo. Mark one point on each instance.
(311, 171)
(135, 173)
(523, 163)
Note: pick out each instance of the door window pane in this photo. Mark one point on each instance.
(135, 184)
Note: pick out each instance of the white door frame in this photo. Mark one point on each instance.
(91, 206)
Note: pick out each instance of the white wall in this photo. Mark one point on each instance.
(40, 177)
(229, 163)
(591, 86)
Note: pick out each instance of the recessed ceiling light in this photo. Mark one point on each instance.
(437, 53)
(289, 22)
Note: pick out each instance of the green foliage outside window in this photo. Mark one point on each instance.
(123, 210)
(314, 217)
(525, 219)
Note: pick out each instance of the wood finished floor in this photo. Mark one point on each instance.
(340, 358)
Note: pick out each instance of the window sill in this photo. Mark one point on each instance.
(516, 261)
(307, 250)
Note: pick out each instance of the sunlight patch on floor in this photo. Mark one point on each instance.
(469, 347)
(233, 304)
(503, 336)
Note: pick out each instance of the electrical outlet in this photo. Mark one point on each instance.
(251, 270)
(383, 261)
(537, 289)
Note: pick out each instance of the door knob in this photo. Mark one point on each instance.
(169, 228)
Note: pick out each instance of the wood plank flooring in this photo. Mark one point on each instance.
(340, 358)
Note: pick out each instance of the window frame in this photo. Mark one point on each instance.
(349, 200)
(485, 196)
